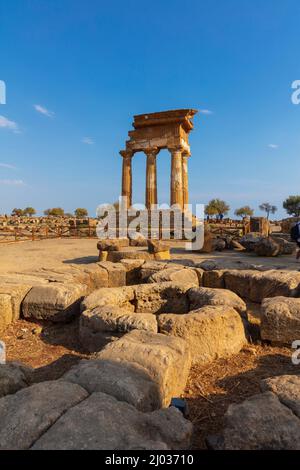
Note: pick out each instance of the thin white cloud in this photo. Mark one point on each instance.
(273, 146)
(12, 182)
(205, 111)
(8, 166)
(88, 141)
(43, 110)
(7, 124)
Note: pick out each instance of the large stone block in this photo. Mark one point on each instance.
(112, 244)
(133, 269)
(6, 312)
(210, 332)
(55, 302)
(201, 296)
(256, 285)
(102, 324)
(125, 381)
(151, 267)
(214, 279)
(166, 358)
(261, 423)
(117, 256)
(157, 246)
(13, 377)
(162, 297)
(103, 423)
(116, 273)
(175, 274)
(27, 414)
(286, 388)
(17, 293)
(123, 297)
(267, 247)
(280, 320)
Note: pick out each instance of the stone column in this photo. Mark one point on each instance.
(127, 176)
(151, 180)
(185, 178)
(176, 176)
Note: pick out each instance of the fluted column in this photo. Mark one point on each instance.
(176, 176)
(185, 178)
(127, 176)
(151, 179)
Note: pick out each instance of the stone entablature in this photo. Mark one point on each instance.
(152, 133)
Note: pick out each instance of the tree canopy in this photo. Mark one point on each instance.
(268, 208)
(244, 211)
(17, 212)
(292, 205)
(217, 207)
(81, 212)
(55, 211)
(29, 211)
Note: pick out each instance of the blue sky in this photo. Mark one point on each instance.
(76, 72)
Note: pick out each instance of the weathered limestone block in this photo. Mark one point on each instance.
(175, 274)
(17, 293)
(280, 320)
(237, 246)
(286, 388)
(56, 302)
(218, 244)
(267, 247)
(27, 414)
(210, 332)
(208, 245)
(224, 264)
(151, 267)
(166, 358)
(112, 244)
(162, 297)
(256, 285)
(261, 423)
(103, 423)
(116, 273)
(200, 272)
(125, 381)
(201, 296)
(102, 324)
(162, 255)
(133, 269)
(13, 376)
(96, 276)
(117, 256)
(214, 278)
(286, 247)
(91, 275)
(157, 246)
(6, 313)
(22, 279)
(249, 240)
(123, 297)
(103, 255)
(138, 241)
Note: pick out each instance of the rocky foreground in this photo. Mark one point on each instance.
(146, 322)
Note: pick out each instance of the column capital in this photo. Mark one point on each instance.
(186, 153)
(126, 153)
(151, 151)
(176, 148)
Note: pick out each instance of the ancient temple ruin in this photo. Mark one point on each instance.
(153, 132)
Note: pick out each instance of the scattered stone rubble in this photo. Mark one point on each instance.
(147, 321)
(266, 421)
